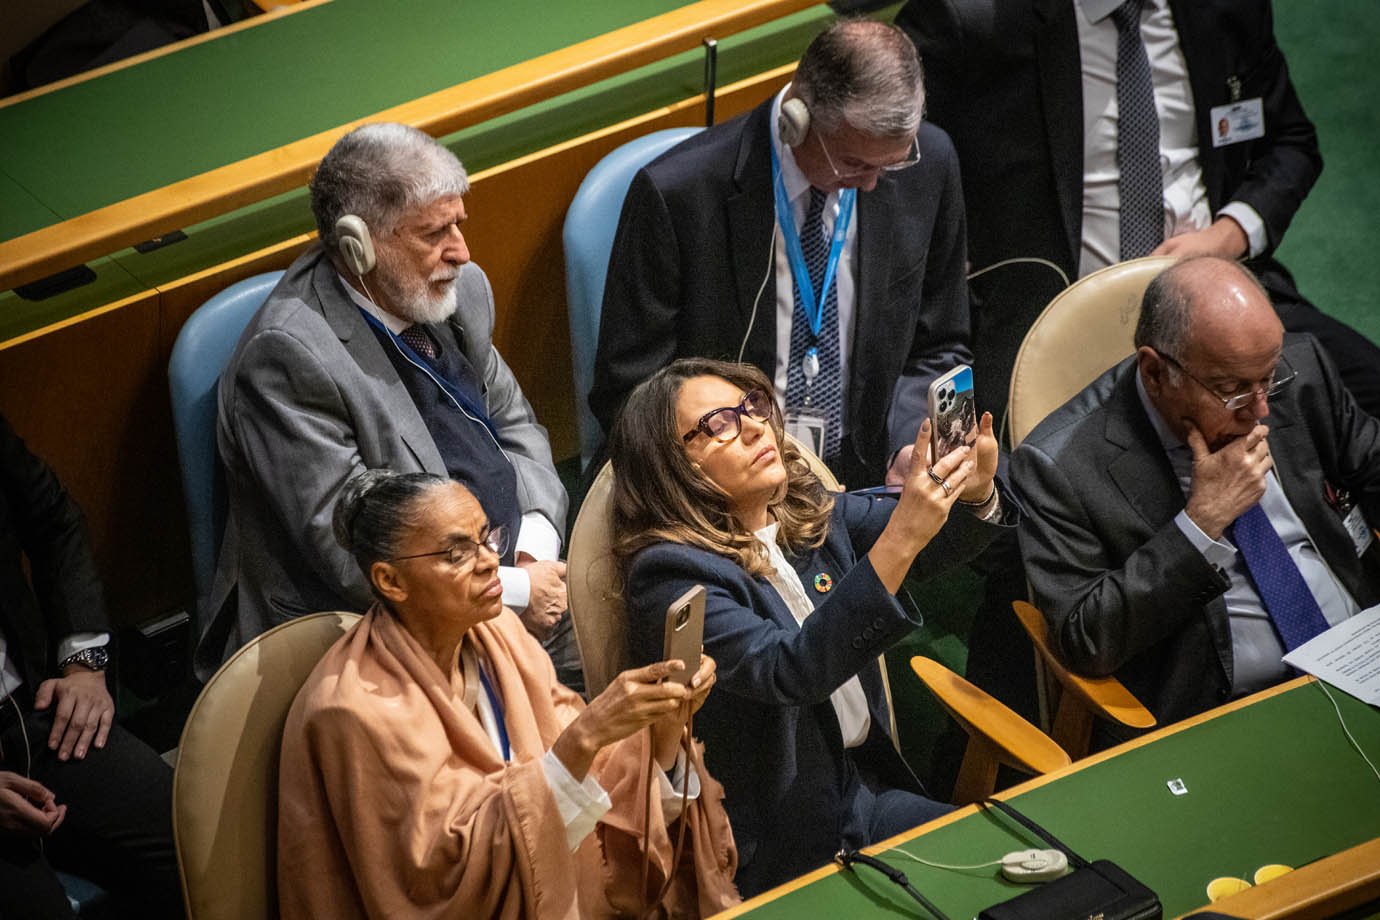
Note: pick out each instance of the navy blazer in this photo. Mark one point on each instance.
(770, 732)
(1123, 589)
(693, 249)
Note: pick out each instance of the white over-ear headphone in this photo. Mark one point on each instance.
(794, 122)
(355, 244)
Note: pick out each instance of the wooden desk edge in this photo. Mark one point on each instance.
(97, 233)
(1323, 888)
(960, 813)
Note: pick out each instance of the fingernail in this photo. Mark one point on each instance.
(925, 425)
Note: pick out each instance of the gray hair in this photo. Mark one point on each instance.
(1166, 310)
(864, 73)
(379, 172)
(375, 510)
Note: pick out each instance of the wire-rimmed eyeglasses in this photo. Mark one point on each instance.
(1279, 378)
(463, 551)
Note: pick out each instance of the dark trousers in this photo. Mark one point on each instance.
(117, 833)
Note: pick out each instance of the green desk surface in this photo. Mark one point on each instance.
(139, 128)
(1272, 782)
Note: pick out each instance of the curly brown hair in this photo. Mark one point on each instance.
(660, 496)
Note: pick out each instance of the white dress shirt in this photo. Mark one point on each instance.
(1256, 649)
(536, 536)
(797, 192)
(850, 702)
(1186, 206)
(10, 680)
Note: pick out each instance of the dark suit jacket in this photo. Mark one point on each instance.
(39, 520)
(1003, 78)
(770, 732)
(1124, 591)
(694, 243)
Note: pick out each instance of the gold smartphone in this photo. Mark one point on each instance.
(685, 632)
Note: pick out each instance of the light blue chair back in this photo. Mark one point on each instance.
(199, 355)
(590, 225)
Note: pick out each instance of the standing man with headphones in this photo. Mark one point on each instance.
(820, 237)
(375, 351)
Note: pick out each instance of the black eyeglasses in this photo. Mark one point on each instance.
(462, 552)
(725, 424)
(1279, 378)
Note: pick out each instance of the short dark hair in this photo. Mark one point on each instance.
(864, 73)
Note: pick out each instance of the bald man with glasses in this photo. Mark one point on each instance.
(1206, 505)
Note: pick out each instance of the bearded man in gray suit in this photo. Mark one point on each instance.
(375, 350)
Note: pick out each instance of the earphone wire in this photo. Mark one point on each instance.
(1347, 731)
(1021, 260)
(757, 298)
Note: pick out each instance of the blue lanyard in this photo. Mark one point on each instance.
(810, 302)
(454, 392)
(498, 714)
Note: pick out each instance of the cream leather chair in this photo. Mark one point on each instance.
(1086, 329)
(595, 584)
(225, 788)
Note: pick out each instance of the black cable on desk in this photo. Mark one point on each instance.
(846, 858)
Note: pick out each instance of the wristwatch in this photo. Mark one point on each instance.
(93, 659)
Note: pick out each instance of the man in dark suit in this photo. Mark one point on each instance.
(702, 263)
(1030, 91)
(1146, 494)
(76, 791)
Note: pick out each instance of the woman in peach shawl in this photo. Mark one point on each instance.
(433, 767)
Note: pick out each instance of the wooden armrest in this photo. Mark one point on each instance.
(1105, 696)
(1017, 743)
(1326, 888)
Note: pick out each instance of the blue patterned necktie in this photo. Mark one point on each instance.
(1291, 606)
(417, 339)
(825, 393)
(1140, 183)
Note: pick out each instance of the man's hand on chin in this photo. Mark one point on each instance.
(1227, 481)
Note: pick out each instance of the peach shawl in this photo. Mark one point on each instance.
(394, 803)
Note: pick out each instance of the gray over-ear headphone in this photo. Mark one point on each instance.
(355, 244)
(794, 122)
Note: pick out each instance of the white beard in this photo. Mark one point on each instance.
(415, 300)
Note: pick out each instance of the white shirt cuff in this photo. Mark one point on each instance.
(581, 804)
(537, 538)
(78, 641)
(517, 586)
(1251, 222)
(1216, 552)
(669, 785)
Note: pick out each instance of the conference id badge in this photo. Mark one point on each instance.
(1237, 121)
(807, 427)
(1359, 530)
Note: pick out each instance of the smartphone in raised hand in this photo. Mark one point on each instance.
(685, 632)
(953, 412)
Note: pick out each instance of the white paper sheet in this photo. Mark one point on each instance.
(1347, 656)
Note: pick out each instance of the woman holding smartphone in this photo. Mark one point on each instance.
(800, 601)
(433, 767)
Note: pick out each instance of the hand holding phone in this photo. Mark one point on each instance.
(953, 412)
(685, 633)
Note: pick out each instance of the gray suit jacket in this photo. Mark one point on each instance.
(310, 400)
(1122, 588)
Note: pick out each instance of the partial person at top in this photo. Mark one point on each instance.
(820, 238)
(1206, 505)
(1091, 131)
(375, 351)
(801, 588)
